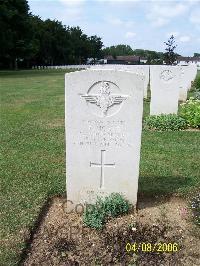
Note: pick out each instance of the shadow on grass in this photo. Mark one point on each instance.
(27, 247)
(36, 226)
(155, 191)
(151, 186)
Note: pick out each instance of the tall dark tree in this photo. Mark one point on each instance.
(170, 56)
(95, 47)
(53, 43)
(14, 33)
(78, 42)
(27, 40)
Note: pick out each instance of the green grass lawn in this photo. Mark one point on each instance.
(33, 155)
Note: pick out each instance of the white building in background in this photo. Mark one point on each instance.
(185, 61)
(143, 60)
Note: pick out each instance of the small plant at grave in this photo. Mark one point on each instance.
(195, 206)
(196, 83)
(196, 86)
(190, 111)
(96, 215)
(163, 122)
(197, 94)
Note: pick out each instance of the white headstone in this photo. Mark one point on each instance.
(185, 82)
(103, 110)
(187, 76)
(144, 70)
(141, 70)
(138, 69)
(192, 72)
(165, 86)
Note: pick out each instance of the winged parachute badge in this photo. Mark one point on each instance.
(105, 99)
(166, 75)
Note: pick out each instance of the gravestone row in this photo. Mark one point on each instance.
(168, 84)
(138, 69)
(186, 74)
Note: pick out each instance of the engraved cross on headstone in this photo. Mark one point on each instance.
(102, 165)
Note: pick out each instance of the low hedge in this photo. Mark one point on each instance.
(170, 122)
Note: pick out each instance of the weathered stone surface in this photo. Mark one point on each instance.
(103, 133)
(138, 69)
(165, 87)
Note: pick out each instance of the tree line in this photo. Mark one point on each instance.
(152, 57)
(27, 40)
(121, 49)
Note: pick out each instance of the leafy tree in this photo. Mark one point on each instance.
(35, 24)
(196, 54)
(117, 50)
(170, 56)
(14, 34)
(53, 42)
(27, 40)
(79, 45)
(152, 57)
(95, 47)
(140, 52)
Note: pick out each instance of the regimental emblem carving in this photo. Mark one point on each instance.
(102, 95)
(166, 75)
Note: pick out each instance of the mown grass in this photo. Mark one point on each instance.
(33, 155)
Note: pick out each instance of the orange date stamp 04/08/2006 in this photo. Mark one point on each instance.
(150, 247)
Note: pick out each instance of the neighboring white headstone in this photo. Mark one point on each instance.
(165, 86)
(138, 69)
(141, 70)
(192, 72)
(103, 110)
(183, 82)
(144, 70)
(187, 76)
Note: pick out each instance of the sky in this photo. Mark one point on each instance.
(140, 24)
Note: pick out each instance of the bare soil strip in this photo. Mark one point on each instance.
(61, 238)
